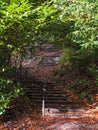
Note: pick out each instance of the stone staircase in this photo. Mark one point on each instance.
(56, 101)
(54, 97)
(50, 60)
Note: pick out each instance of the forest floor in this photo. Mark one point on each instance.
(22, 116)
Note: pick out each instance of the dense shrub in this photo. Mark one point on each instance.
(8, 90)
(15, 33)
(81, 19)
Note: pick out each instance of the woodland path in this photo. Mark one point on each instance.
(38, 74)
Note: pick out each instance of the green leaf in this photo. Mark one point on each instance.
(2, 43)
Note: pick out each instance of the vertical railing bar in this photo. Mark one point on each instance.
(42, 103)
(43, 100)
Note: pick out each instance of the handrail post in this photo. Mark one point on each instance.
(43, 100)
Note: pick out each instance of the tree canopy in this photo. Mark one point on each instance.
(70, 24)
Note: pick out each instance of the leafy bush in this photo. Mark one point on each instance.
(15, 33)
(81, 25)
(80, 86)
(80, 83)
(85, 95)
(8, 90)
(93, 70)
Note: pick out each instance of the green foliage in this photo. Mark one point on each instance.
(15, 34)
(8, 90)
(67, 56)
(80, 86)
(79, 82)
(70, 24)
(39, 60)
(93, 70)
(21, 25)
(80, 31)
(85, 95)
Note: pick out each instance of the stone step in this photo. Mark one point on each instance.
(50, 88)
(49, 62)
(50, 98)
(40, 89)
(45, 89)
(28, 87)
(40, 85)
(37, 82)
(52, 56)
(72, 110)
(55, 102)
(54, 93)
(61, 107)
(47, 95)
(24, 82)
(51, 50)
(46, 92)
(46, 65)
(67, 115)
(53, 82)
(65, 111)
